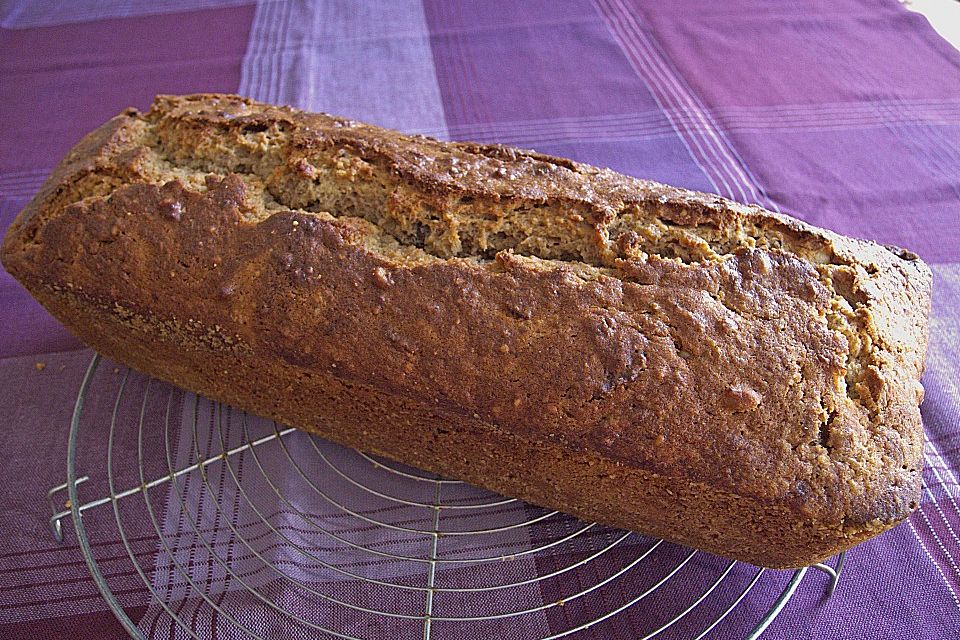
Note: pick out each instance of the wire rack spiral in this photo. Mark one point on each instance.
(238, 527)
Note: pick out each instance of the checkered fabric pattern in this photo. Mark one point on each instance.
(844, 113)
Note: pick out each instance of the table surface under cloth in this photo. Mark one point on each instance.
(844, 113)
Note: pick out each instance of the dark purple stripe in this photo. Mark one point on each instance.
(78, 75)
(74, 78)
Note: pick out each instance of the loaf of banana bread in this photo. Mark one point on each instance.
(648, 357)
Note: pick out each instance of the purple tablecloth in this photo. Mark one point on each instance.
(842, 113)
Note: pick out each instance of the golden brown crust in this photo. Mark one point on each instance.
(764, 370)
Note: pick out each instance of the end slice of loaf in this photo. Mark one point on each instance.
(648, 357)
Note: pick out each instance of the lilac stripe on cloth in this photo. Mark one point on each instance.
(367, 60)
(845, 114)
(23, 14)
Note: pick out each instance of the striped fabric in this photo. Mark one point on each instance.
(843, 113)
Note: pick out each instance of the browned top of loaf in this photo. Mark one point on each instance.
(669, 330)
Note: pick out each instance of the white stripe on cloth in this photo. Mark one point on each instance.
(936, 564)
(623, 37)
(22, 184)
(953, 541)
(369, 61)
(929, 528)
(708, 145)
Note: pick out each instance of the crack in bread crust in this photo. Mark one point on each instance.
(346, 176)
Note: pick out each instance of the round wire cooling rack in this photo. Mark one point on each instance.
(228, 525)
